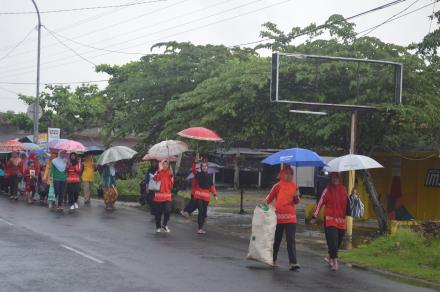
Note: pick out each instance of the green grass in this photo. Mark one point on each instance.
(231, 200)
(406, 252)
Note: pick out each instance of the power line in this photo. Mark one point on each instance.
(17, 45)
(75, 52)
(47, 83)
(386, 21)
(84, 8)
(432, 17)
(10, 91)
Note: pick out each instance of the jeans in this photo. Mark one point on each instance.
(159, 209)
(73, 192)
(290, 239)
(59, 187)
(202, 206)
(334, 238)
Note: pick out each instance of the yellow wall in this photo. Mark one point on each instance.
(422, 202)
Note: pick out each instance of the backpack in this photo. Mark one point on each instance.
(356, 206)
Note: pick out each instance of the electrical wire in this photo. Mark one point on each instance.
(17, 45)
(46, 83)
(72, 50)
(83, 8)
(392, 17)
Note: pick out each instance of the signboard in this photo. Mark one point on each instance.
(433, 178)
(31, 110)
(53, 134)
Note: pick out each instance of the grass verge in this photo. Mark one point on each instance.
(406, 253)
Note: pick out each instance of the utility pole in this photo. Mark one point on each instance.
(37, 95)
(352, 173)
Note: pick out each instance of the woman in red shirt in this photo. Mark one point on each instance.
(202, 193)
(162, 198)
(73, 170)
(30, 181)
(284, 194)
(12, 173)
(337, 207)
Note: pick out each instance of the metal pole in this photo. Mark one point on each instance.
(351, 180)
(37, 95)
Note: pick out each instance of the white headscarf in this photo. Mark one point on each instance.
(59, 162)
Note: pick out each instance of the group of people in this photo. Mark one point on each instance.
(159, 182)
(336, 205)
(56, 180)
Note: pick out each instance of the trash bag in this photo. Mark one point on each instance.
(264, 223)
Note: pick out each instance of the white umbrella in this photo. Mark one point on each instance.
(116, 153)
(168, 148)
(352, 162)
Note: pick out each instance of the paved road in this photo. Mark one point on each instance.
(94, 250)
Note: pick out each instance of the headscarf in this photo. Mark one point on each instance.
(204, 179)
(59, 162)
(338, 189)
(112, 169)
(283, 170)
(15, 160)
(73, 160)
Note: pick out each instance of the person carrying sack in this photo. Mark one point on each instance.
(337, 207)
(284, 194)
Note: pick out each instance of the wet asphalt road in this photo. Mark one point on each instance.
(94, 250)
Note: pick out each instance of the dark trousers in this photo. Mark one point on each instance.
(159, 209)
(149, 200)
(2, 183)
(13, 185)
(290, 229)
(334, 237)
(73, 192)
(191, 206)
(202, 206)
(59, 187)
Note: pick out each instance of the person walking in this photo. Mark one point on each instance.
(30, 181)
(87, 177)
(59, 178)
(162, 198)
(47, 180)
(202, 194)
(284, 194)
(108, 183)
(73, 170)
(2, 177)
(154, 166)
(337, 207)
(12, 172)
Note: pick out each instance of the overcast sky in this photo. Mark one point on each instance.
(135, 28)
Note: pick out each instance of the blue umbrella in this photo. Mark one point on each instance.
(295, 156)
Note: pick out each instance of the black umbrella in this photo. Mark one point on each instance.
(94, 150)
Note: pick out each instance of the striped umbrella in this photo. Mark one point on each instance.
(11, 145)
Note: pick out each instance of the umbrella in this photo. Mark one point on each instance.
(31, 146)
(94, 150)
(352, 162)
(116, 153)
(211, 170)
(200, 133)
(295, 156)
(66, 145)
(156, 157)
(11, 145)
(168, 148)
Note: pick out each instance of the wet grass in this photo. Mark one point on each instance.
(406, 253)
(231, 200)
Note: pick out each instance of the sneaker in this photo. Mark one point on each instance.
(201, 231)
(158, 230)
(184, 214)
(294, 267)
(166, 229)
(76, 205)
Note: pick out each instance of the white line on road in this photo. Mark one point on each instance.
(82, 254)
(7, 222)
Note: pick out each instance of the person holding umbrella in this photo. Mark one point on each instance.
(284, 194)
(73, 170)
(162, 198)
(202, 192)
(108, 182)
(87, 177)
(337, 207)
(59, 178)
(12, 172)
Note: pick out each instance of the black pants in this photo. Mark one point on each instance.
(334, 237)
(290, 239)
(149, 200)
(202, 206)
(73, 192)
(159, 209)
(191, 207)
(13, 185)
(59, 187)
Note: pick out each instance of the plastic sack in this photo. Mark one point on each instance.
(51, 195)
(264, 223)
(356, 206)
(153, 185)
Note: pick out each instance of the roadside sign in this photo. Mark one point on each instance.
(53, 134)
(31, 109)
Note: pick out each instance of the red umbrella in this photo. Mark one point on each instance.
(11, 145)
(200, 133)
(66, 145)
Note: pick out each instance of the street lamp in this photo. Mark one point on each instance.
(37, 95)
